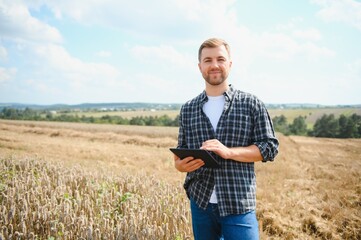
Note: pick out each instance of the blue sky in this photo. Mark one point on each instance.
(83, 51)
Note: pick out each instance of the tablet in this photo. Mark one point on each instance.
(205, 155)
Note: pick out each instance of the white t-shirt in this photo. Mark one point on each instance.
(213, 109)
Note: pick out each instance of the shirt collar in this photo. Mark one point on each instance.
(227, 94)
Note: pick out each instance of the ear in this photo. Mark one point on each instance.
(199, 66)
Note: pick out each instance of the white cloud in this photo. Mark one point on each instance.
(39, 41)
(131, 16)
(311, 34)
(283, 47)
(355, 67)
(3, 53)
(160, 19)
(163, 55)
(157, 49)
(352, 77)
(196, 10)
(41, 87)
(289, 25)
(290, 40)
(7, 74)
(278, 46)
(73, 69)
(347, 11)
(16, 23)
(315, 52)
(103, 54)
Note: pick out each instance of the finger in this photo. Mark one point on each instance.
(188, 164)
(195, 162)
(194, 165)
(197, 166)
(211, 141)
(207, 145)
(180, 165)
(184, 163)
(188, 159)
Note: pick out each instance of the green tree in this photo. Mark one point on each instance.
(28, 114)
(299, 126)
(166, 120)
(280, 124)
(137, 121)
(357, 121)
(122, 121)
(346, 127)
(326, 126)
(10, 113)
(106, 119)
(175, 122)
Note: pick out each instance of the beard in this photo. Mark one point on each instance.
(215, 79)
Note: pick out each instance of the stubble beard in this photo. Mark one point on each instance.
(215, 80)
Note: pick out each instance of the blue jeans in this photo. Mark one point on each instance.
(209, 225)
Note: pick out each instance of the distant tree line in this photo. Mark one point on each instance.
(327, 126)
(33, 115)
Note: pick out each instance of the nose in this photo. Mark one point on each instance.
(214, 64)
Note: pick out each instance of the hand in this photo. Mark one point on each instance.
(188, 164)
(217, 147)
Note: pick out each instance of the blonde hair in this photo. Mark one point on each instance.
(212, 43)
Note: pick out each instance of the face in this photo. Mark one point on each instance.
(215, 65)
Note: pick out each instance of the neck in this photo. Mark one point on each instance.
(216, 90)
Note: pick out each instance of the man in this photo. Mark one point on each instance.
(235, 126)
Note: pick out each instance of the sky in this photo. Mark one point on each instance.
(106, 51)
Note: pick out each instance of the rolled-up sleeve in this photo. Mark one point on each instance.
(264, 135)
(268, 149)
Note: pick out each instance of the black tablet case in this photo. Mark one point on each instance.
(205, 155)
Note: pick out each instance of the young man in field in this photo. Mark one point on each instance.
(235, 126)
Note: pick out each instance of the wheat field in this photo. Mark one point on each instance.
(89, 181)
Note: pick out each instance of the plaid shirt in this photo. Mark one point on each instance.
(244, 121)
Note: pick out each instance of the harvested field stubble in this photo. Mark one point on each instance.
(312, 190)
(74, 181)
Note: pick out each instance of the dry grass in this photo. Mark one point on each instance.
(68, 180)
(42, 201)
(313, 190)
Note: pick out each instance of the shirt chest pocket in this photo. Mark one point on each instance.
(238, 129)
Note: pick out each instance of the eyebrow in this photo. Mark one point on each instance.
(206, 58)
(209, 58)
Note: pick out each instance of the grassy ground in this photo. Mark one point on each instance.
(312, 114)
